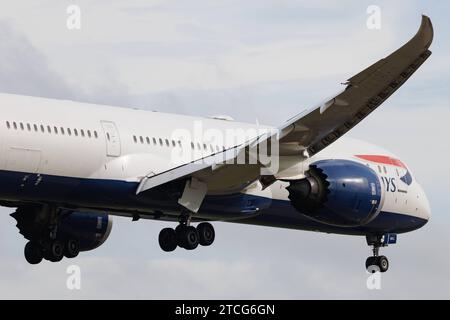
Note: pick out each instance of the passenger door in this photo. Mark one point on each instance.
(112, 138)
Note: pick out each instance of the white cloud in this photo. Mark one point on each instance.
(218, 45)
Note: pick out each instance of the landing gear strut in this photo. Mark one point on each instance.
(186, 236)
(376, 262)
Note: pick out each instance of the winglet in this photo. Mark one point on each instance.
(364, 92)
(422, 40)
(418, 45)
(426, 31)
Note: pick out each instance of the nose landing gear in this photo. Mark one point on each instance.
(378, 263)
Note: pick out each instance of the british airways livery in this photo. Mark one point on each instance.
(67, 167)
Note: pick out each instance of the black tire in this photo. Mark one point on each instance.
(206, 234)
(56, 251)
(168, 240)
(72, 248)
(33, 253)
(191, 238)
(371, 263)
(383, 263)
(180, 235)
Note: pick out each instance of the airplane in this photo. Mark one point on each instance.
(67, 167)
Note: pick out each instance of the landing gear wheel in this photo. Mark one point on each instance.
(206, 234)
(56, 251)
(371, 263)
(33, 253)
(72, 248)
(180, 234)
(168, 240)
(383, 263)
(187, 237)
(191, 238)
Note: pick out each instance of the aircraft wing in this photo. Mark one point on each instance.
(309, 132)
(203, 166)
(313, 131)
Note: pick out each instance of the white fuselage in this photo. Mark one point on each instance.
(54, 138)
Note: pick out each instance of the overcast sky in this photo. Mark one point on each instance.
(254, 59)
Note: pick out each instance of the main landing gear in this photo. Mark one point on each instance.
(377, 263)
(40, 226)
(52, 250)
(186, 236)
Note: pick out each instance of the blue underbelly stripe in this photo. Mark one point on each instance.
(120, 196)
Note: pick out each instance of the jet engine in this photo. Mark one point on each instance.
(338, 192)
(91, 229)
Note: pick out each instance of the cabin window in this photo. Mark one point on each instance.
(35, 127)
(82, 133)
(154, 141)
(21, 126)
(167, 143)
(49, 130)
(75, 131)
(160, 142)
(192, 145)
(385, 170)
(134, 139)
(140, 139)
(147, 139)
(198, 146)
(55, 130)
(28, 127)
(69, 132)
(8, 125)
(95, 134)
(89, 133)
(108, 136)
(42, 128)
(15, 125)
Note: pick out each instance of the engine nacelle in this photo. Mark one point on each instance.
(91, 229)
(338, 192)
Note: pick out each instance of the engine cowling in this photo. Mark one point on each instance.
(91, 229)
(338, 192)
